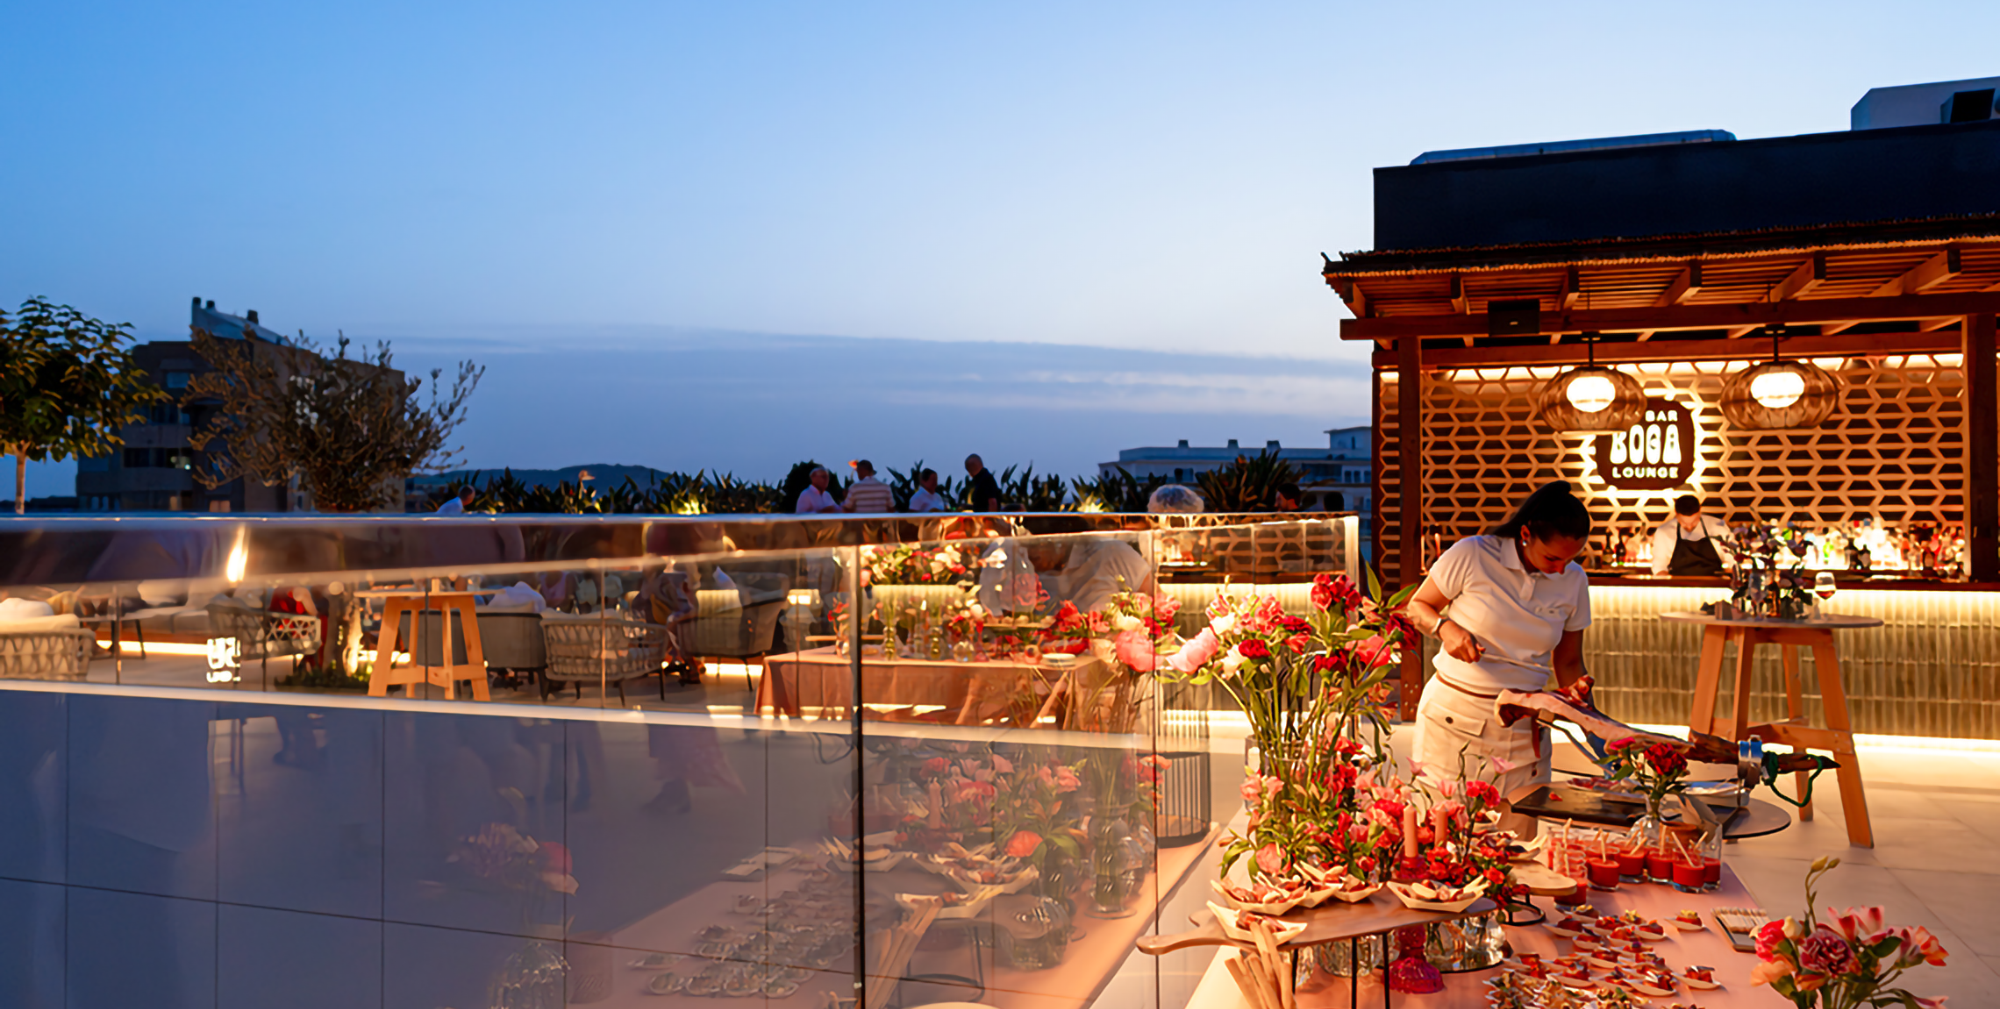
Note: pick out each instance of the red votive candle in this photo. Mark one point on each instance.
(1660, 866)
(1574, 897)
(1604, 872)
(1631, 865)
(1711, 874)
(1688, 876)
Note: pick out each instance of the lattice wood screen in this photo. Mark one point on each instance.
(1892, 450)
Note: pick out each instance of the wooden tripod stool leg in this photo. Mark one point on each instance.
(1833, 698)
(1708, 679)
(475, 653)
(1795, 708)
(445, 664)
(1746, 654)
(385, 649)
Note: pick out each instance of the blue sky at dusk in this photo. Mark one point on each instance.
(736, 235)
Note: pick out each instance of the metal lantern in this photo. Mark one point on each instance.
(1779, 393)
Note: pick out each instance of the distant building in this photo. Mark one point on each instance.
(1335, 478)
(154, 471)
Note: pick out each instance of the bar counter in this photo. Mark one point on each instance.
(1932, 669)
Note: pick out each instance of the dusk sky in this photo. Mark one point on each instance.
(733, 236)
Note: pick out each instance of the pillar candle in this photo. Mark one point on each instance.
(1410, 831)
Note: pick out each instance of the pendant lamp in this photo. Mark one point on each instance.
(1779, 393)
(1591, 398)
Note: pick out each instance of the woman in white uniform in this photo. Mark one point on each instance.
(1508, 609)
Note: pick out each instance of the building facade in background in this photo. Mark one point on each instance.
(154, 471)
(1334, 478)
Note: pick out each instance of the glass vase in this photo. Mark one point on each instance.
(530, 978)
(1108, 889)
(961, 650)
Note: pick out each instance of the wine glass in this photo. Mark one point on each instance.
(1823, 588)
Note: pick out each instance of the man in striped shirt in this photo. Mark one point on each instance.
(867, 495)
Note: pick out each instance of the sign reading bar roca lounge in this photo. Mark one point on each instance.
(1657, 453)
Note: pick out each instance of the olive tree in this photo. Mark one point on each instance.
(68, 387)
(348, 428)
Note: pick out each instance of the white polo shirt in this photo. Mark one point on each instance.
(1515, 613)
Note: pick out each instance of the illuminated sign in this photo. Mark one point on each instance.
(223, 659)
(1657, 453)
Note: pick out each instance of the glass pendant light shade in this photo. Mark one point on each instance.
(1780, 394)
(1591, 398)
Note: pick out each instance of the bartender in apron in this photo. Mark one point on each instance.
(1690, 543)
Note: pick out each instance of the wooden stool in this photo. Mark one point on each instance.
(447, 675)
(1795, 731)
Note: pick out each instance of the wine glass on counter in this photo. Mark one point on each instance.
(1823, 588)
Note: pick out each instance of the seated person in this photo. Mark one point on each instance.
(1089, 571)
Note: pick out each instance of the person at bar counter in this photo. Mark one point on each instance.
(1691, 543)
(1518, 606)
(984, 491)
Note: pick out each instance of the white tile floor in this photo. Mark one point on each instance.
(1936, 815)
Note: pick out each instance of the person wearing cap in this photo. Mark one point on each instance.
(1690, 544)
(867, 495)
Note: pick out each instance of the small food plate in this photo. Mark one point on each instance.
(1356, 896)
(1270, 907)
(1419, 899)
(656, 961)
(1283, 931)
(1708, 984)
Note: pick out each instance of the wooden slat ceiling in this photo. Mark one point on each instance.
(1723, 281)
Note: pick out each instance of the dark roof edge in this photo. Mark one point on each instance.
(1691, 245)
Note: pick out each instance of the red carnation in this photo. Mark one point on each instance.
(1254, 648)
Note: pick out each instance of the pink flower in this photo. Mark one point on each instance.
(1023, 843)
(1270, 859)
(1373, 651)
(1250, 790)
(1066, 779)
(1920, 942)
(1135, 650)
(1002, 765)
(1165, 607)
(1859, 925)
(1195, 653)
(1823, 956)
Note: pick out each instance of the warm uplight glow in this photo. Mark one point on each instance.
(1591, 393)
(1091, 503)
(1775, 390)
(239, 558)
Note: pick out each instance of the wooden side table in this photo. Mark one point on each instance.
(446, 675)
(1795, 730)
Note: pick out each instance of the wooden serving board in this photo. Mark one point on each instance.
(1329, 922)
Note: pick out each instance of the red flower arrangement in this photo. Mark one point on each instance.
(1847, 964)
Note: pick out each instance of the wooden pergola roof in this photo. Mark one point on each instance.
(1840, 290)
